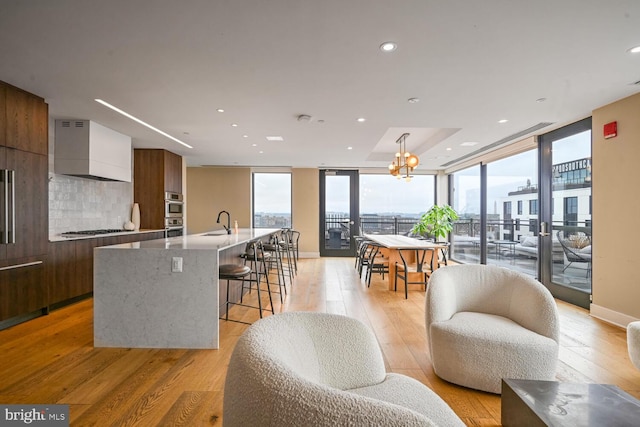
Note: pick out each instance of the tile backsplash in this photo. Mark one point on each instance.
(86, 204)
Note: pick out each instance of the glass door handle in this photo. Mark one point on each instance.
(543, 229)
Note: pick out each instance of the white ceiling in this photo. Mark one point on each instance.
(173, 63)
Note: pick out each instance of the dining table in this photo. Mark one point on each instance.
(393, 243)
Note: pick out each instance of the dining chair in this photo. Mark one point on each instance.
(376, 263)
(414, 263)
(362, 259)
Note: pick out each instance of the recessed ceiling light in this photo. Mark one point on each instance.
(349, 148)
(235, 125)
(413, 100)
(260, 151)
(275, 138)
(362, 119)
(254, 145)
(220, 110)
(503, 121)
(135, 119)
(245, 136)
(449, 148)
(469, 144)
(388, 46)
(634, 49)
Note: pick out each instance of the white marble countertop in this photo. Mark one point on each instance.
(60, 238)
(214, 240)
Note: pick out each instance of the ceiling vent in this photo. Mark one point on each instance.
(500, 142)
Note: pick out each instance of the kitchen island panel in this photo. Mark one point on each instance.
(141, 303)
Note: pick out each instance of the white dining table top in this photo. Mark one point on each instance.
(397, 241)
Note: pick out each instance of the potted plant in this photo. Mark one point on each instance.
(437, 222)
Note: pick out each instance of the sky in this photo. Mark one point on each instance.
(272, 192)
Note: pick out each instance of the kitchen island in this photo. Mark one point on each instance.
(141, 300)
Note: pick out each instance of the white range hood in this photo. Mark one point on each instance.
(87, 149)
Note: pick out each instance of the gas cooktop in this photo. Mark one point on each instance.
(94, 232)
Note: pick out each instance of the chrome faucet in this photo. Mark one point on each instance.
(228, 226)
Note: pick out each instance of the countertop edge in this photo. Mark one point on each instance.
(58, 238)
(199, 242)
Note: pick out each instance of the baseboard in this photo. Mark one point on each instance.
(610, 316)
(309, 254)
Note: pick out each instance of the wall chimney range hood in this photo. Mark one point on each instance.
(89, 150)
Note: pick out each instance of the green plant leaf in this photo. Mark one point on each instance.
(437, 222)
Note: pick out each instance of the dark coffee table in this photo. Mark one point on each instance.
(549, 403)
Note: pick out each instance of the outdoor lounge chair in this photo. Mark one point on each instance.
(577, 248)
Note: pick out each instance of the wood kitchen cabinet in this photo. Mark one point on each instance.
(70, 267)
(63, 270)
(23, 229)
(154, 173)
(23, 290)
(29, 233)
(26, 122)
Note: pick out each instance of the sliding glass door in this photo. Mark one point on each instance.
(512, 212)
(465, 198)
(531, 212)
(498, 207)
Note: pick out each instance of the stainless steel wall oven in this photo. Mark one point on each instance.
(174, 214)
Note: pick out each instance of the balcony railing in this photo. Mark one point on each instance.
(498, 229)
(387, 225)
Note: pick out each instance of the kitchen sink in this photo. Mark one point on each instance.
(217, 233)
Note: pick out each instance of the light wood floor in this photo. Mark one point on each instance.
(52, 359)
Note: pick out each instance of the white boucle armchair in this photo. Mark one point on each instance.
(633, 342)
(318, 369)
(485, 323)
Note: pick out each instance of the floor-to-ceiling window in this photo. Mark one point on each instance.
(392, 206)
(531, 212)
(512, 236)
(465, 199)
(271, 199)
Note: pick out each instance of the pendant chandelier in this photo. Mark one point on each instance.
(404, 162)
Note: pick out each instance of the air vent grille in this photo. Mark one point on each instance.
(500, 142)
(76, 123)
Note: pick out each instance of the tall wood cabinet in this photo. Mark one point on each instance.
(23, 201)
(154, 173)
